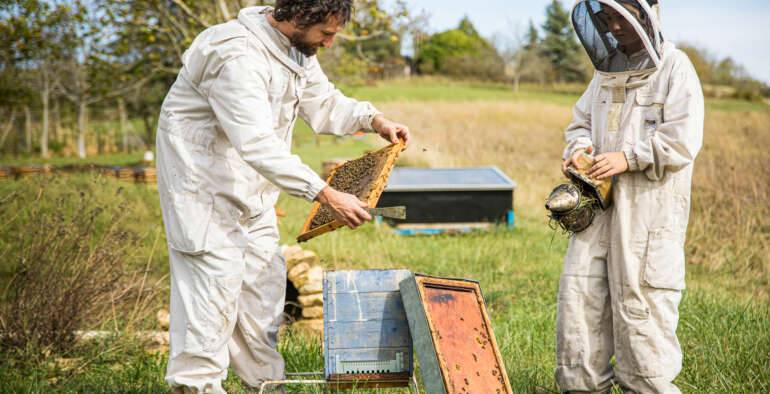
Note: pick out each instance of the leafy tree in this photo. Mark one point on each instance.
(159, 31)
(726, 72)
(460, 52)
(560, 46)
(370, 43)
(533, 37)
(34, 44)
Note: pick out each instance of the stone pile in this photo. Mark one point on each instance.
(305, 272)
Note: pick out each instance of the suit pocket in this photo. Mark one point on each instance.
(187, 222)
(651, 113)
(664, 260)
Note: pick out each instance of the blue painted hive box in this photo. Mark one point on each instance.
(366, 332)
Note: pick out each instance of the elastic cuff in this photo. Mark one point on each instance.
(314, 188)
(369, 118)
(574, 146)
(631, 159)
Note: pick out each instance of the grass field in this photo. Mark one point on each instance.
(725, 313)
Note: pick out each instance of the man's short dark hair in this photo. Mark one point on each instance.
(307, 13)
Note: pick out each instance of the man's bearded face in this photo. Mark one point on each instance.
(302, 42)
(310, 39)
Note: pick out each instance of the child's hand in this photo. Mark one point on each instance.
(566, 163)
(608, 165)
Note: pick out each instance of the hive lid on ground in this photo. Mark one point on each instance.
(447, 179)
(453, 336)
(364, 177)
(366, 334)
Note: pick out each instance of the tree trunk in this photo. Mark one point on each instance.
(8, 127)
(27, 129)
(147, 118)
(222, 4)
(249, 3)
(110, 146)
(82, 109)
(516, 80)
(44, 97)
(123, 120)
(57, 134)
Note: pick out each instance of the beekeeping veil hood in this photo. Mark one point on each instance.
(593, 19)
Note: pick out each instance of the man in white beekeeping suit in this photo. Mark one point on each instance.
(223, 148)
(642, 119)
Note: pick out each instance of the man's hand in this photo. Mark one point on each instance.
(567, 163)
(608, 165)
(390, 131)
(345, 207)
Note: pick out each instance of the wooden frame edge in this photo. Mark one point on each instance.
(476, 288)
(374, 195)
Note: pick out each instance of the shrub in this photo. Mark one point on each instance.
(67, 265)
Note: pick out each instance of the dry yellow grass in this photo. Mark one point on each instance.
(524, 139)
(730, 220)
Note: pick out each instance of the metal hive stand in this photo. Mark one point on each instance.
(316, 378)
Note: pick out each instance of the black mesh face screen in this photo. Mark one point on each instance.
(611, 52)
(641, 16)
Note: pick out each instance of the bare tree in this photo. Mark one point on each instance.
(523, 59)
(96, 67)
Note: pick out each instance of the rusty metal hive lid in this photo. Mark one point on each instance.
(452, 336)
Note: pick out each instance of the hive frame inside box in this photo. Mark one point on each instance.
(375, 191)
(431, 339)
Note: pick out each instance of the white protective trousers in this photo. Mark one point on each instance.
(223, 154)
(226, 307)
(623, 277)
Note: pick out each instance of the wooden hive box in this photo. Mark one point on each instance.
(27, 170)
(453, 336)
(145, 175)
(125, 173)
(366, 333)
(364, 177)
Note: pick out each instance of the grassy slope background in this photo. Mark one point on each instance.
(725, 324)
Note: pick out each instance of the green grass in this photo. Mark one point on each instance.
(440, 89)
(734, 105)
(725, 334)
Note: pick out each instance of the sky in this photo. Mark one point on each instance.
(738, 28)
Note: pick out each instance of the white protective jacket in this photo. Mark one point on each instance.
(225, 129)
(623, 276)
